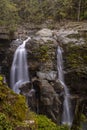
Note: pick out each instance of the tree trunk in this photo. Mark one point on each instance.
(79, 10)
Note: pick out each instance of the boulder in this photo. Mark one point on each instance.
(50, 103)
(50, 76)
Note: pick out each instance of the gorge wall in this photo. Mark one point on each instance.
(42, 62)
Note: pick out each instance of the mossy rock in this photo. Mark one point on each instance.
(13, 107)
(76, 59)
(5, 124)
(15, 115)
(46, 124)
(75, 66)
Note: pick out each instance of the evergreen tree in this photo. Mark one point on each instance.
(38, 11)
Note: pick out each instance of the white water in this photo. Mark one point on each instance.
(66, 116)
(19, 69)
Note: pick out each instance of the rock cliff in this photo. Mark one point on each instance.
(42, 62)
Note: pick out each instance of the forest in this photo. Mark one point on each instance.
(13, 12)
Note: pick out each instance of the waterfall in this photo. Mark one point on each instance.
(66, 116)
(19, 68)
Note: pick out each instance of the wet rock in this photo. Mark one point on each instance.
(41, 53)
(41, 56)
(50, 76)
(74, 44)
(50, 103)
(58, 87)
(25, 88)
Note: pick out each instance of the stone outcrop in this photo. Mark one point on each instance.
(13, 110)
(4, 47)
(74, 43)
(73, 40)
(42, 62)
(41, 56)
(6, 36)
(50, 102)
(42, 66)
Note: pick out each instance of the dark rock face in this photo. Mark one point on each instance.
(41, 51)
(50, 103)
(76, 78)
(43, 93)
(74, 43)
(75, 63)
(4, 47)
(48, 93)
(6, 34)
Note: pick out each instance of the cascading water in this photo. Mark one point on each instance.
(66, 116)
(19, 69)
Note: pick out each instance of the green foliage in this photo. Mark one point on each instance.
(15, 11)
(20, 108)
(38, 11)
(8, 13)
(1, 80)
(30, 11)
(14, 113)
(76, 58)
(2, 90)
(46, 124)
(43, 53)
(85, 15)
(13, 108)
(5, 124)
(83, 118)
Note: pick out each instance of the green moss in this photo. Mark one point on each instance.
(14, 113)
(83, 118)
(14, 108)
(5, 124)
(46, 124)
(43, 55)
(1, 80)
(20, 108)
(76, 58)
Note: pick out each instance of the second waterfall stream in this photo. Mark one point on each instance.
(19, 69)
(66, 116)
